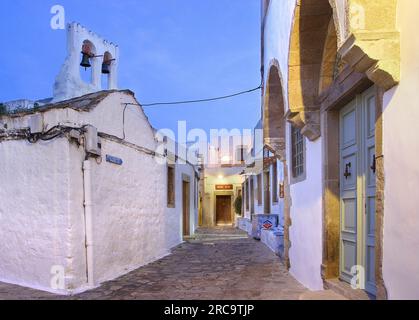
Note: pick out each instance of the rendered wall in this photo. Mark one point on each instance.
(38, 214)
(306, 196)
(306, 215)
(42, 222)
(401, 150)
(173, 233)
(129, 201)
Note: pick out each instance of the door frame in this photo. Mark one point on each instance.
(186, 206)
(223, 193)
(339, 94)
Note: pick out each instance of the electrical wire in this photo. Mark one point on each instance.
(52, 133)
(199, 100)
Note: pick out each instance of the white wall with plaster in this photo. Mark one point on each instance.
(306, 216)
(401, 150)
(306, 207)
(42, 213)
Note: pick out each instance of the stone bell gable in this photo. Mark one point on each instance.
(100, 53)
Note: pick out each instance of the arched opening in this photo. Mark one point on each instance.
(331, 65)
(273, 114)
(274, 131)
(87, 66)
(311, 28)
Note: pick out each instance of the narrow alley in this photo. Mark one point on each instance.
(219, 262)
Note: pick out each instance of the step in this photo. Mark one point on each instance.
(344, 289)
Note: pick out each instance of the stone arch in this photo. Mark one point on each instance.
(274, 132)
(366, 40)
(274, 111)
(330, 66)
(309, 34)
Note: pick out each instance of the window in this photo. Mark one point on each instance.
(297, 152)
(259, 178)
(171, 200)
(275, 182)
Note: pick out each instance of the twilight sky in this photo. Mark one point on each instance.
(170, 50)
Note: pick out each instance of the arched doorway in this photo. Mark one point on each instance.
(274, 131)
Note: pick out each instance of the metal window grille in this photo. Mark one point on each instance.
(297, 152)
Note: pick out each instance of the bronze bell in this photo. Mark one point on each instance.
(105, 68)
(85, 62)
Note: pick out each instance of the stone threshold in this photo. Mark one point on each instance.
(344, 289)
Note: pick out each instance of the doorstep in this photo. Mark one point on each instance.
(324, 295)
(345, 289)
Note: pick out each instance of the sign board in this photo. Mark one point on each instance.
(114, 160)
(267, 225)
(224, 187)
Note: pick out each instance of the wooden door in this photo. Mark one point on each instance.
(186, 208)
(358, 181)
(223, 210)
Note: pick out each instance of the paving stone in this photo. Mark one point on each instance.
(232, 267)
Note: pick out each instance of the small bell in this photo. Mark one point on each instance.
(85, 62)
(105, 68)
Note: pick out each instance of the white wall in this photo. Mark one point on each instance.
(277, 38)
(174, 231)
(401, 151)
(306, 208)
(129, 212)
(42, 212)
(306, 215)
(38, 214)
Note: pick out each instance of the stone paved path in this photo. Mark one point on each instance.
(216, 264)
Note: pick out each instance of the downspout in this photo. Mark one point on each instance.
(88, 209)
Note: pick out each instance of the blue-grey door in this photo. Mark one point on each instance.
(358, 190)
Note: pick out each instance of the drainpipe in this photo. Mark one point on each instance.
(88, 209)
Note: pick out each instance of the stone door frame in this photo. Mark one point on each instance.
(346, 87)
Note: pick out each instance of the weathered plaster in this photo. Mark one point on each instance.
(42, 213)
(401, 150)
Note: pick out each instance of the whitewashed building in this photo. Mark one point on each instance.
(339, 107)
(85, 195)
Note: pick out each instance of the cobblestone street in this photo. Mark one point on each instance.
(216, 264)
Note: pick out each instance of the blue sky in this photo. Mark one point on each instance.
(170, 50)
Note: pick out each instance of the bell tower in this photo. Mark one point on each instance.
(86, 52)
